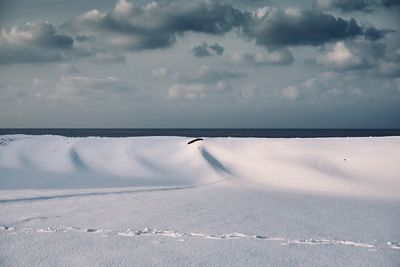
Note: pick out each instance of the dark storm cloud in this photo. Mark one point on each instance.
(158, 25)
(34, 42)
(84, 38)
(347, 6)
(206, 50)
(44, 34)
(390, 3)
(39, 34)
(391, 66)
(201, 50)
(310, 27)
(210, 18)
(218, 49)
(373, 34)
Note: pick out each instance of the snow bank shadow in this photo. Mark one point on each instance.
(6, 141)
(77, 161)
(91, 194)
(327, 168)
(214, 163)
(148, 163)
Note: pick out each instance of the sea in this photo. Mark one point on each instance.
(214, 132)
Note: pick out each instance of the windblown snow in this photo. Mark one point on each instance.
(151, 201)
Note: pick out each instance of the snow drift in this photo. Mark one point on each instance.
(338, 166)
(159, 201)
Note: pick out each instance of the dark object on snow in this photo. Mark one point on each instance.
(194, 140)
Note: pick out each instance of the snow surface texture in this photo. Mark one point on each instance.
(151, 201)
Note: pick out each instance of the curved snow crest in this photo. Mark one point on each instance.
(109, 162)
(339, 166)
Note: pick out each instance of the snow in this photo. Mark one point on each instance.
(151, 201)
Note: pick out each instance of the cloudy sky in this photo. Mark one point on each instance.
(176, 63)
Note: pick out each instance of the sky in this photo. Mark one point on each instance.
(200, 64)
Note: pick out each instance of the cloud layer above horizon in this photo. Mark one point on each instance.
(173, 63)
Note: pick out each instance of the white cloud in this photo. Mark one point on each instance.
(341, 58)
(15, 36)
(291, 92)
(327, 75)
(204, 74)
(150, 6)
(77, 88)
(293, 11)
(276, 57)
(362, 55)
(37, 82)
(123, 8)
(160, 72)
(83, 85)
(188, 91)
(310, 83)
(164, 72)
(208, 75)
(198, 91)
(264, 12)
(68, 69)
(327, 86)
(92, 16)
(109, 57)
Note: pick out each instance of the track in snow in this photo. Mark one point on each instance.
(182, 235)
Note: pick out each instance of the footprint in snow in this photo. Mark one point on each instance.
(175, 234)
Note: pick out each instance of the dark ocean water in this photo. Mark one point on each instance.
(272, 133)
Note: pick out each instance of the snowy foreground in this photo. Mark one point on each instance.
(157, 201)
